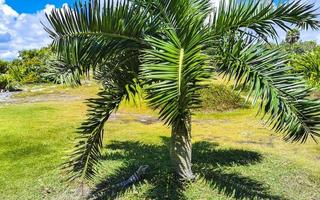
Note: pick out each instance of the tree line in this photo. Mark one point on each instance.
(30, 67)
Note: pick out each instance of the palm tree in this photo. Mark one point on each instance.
(170, 49)
(293, 36)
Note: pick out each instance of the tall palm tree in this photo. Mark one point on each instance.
(170, 49)
(293, 36)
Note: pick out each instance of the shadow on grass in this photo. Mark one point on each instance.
(207, 162)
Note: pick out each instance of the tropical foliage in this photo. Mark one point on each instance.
(309, 65)
(3, 70)
(31, 66)
(296, 48)
(170, 49)
(304, 58)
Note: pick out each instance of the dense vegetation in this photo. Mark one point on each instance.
(308, 64)
(31, 66)
(219, 97)
(304, 57)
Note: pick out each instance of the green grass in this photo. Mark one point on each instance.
(234, 155)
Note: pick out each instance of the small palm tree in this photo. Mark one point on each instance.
(170, 49)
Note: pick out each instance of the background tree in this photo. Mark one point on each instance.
(31, 66)
(293, 36)
(169, 49)
(309, 65)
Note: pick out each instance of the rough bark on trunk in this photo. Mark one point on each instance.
(180, 150)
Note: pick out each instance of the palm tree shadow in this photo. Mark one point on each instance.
(207, 162)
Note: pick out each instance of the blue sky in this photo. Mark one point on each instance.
(32, 6)
(20, 26)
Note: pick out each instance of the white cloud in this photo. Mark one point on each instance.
(20, 31)
(8, 55)
(7, 10)
(48, 8)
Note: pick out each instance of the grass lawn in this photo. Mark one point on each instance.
(234, 155)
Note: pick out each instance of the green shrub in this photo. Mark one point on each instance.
(308, 64)
(3, 82)
(220, 98)
(31, 77)
(3, 66)
(7, 83)
(30, 66)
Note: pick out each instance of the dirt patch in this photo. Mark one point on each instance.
(147, 120)
(211, 121)
(251, 142)
(72, 193)
(269, 143)
(48, 98)
(6, 96)
(210, 138)
(11, 99)
(128, 118)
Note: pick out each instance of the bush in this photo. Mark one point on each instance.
(29, 67)
(220, 98)
(3, 66)
(7, 83)
(309, 65)
(3, 82)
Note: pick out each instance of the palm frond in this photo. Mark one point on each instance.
(172, 73)
(283, 96)
(118, 77)
(261, 18)
(85, 158)
(96, 31)
(64, 73)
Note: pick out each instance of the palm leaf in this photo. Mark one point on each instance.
(86, 157)
(260, 17)
(284, 96)
(96, 31)
(64, 73)
(173, 73)
(119, 81)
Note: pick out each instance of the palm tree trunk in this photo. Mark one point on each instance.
(180, 150)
